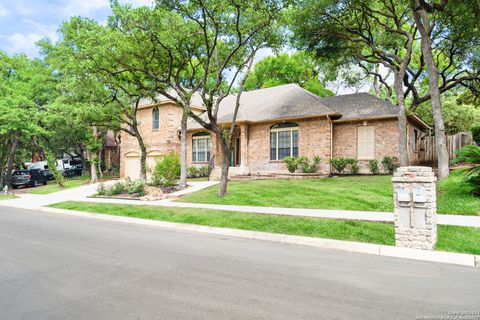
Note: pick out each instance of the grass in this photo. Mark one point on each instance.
(7, 197)
(453, 196)
(362, 231)
(53, 186)
(370, 193)
(364, 193)
(450, 238)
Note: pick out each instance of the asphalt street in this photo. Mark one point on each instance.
(61, 267)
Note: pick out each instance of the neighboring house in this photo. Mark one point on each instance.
(275, 123)
(110, 155)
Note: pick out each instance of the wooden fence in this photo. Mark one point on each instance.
(428, 154)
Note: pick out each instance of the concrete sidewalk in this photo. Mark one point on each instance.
(82, 194)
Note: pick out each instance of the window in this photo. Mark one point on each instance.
(201, 147)
(415, 140)
(155, 117)
(366, 143)
(283, 141)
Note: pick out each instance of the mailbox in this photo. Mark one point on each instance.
(419, 195)
(403, 195)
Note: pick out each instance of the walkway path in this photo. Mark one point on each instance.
(30, 201)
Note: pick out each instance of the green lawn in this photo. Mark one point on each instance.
(7, 197)
(312, 227)
(450, 238)
(366, 193)
(52, 186)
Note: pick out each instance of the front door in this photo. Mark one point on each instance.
(235, 153)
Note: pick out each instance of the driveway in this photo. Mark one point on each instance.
(62, 267)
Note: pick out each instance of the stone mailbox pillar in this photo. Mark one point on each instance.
(415, 211)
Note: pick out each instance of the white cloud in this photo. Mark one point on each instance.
(84, 7)
(24, 43)
(3, 11)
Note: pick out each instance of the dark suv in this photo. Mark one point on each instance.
(32, 178)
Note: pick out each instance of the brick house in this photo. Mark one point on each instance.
(275, 123)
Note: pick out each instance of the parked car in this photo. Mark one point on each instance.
(28, 178)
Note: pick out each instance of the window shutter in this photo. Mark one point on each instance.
(366, 142)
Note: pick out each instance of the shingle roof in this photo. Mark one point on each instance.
(195, 102)
(276, 103)
(360, 106)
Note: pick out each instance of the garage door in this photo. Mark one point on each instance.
(132, 166)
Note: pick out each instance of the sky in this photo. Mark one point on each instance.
(24, 22)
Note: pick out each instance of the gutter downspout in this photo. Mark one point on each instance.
(331, 142)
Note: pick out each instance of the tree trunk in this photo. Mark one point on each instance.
(11, 158)
(143, 160)
(100, 163)
(423, 24)
(3, 157)
(183, 152)
(402, 120)
(92, 156)
(93, 169)
(376, 82)
(225, 147)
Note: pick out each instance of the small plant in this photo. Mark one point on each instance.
(101, 190)
(390, 164)
(373, 166)
(353, 165)
(192, 172)
(339, 164)
(471, 156)
(292, 164)
(307, 165)
(117, 188)
(135, 187)
(203, 172)
(167, 171)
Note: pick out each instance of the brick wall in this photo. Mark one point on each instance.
(386, 140)
(313, 139)
(164, 140)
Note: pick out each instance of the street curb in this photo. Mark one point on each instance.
(358, 247)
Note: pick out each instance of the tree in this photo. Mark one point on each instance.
(101, 97)
(22, 91)
(299, 68)
(229, 35)
(457, 116)
(424, 17)
(167, 57)
(367, 33)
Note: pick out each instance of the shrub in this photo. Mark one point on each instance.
(192, 172)
(471, 156)
(117, 188)
(307, 165)
(135, 186)
(339, 164)
(373, 166)
(390, 164)
(292, 164)
(203, 172)
(353, 165)
(101, 190)
(167, 171)
(476, 134)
